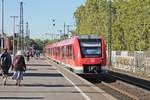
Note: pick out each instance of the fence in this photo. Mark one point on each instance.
(136, 61)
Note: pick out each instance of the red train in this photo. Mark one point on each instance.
(81, 54)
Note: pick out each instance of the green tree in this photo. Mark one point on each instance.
(130, 22)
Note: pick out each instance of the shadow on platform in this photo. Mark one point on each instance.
(18, 98)
(31, 69)
(38, 65)
(43, 74)
(49, 85)
(40, 74)
(42, 85)
(54, 85)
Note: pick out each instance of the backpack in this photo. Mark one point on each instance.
(3, 59)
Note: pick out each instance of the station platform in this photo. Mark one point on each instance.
(45, 80)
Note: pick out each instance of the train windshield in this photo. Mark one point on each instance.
(90, 47)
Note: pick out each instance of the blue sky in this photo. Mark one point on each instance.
(40, 13)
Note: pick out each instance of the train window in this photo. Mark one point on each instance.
(91, 52)
(54, 52)
(62, 52)
(59, 51)
(90, 47)
(90, 42)
(49, 51)
(66, 52)
(70, 51)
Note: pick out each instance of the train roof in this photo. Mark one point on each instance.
(71, 40)
(61, 43)
(65, 42)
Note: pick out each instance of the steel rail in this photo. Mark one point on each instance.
(145, 84)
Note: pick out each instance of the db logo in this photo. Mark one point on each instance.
(92, 60)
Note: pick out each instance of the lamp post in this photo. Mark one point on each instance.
(27, 36)
(18, 37)
(59, 33)
(109, 31)
(68, 28)
(54, 24)
(21, 26)
(2, 35)
(64, 28)
(14, 24)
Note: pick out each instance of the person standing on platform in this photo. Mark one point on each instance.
(5, 62)
(28, 56)
(19, 67)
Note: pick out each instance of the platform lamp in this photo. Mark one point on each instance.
(14, 37)
(109, 31)
(2, 34)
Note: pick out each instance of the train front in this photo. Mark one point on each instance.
(92, 54)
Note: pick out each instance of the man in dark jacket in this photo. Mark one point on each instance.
(6, 62)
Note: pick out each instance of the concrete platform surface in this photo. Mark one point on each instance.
(44, 80)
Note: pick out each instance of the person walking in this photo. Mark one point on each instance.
(28, 56)
(19, 67)
(6, 62)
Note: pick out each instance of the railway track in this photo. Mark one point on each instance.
(145, 84)
(124, 86)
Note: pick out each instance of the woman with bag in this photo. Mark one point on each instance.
(19, 67)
